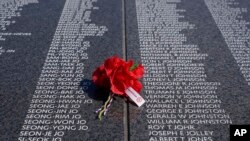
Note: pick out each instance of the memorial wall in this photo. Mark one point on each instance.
(61, 102)
(194, 52)
(193, 84)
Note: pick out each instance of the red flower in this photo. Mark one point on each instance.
(100, 77)
(118, 75)
(135, 70)
(112, 63)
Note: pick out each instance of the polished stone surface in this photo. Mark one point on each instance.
(35, 32)
(20, 71)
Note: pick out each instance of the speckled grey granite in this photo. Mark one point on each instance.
(111, 127)
(220, 67)
(19, 72)
(137, 121)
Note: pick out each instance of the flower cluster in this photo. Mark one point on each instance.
(117, 75)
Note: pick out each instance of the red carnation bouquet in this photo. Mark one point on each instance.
(121, 78)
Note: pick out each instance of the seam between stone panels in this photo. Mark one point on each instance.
(124, 54)
(124, 39)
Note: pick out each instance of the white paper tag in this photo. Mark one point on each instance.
(135, 96)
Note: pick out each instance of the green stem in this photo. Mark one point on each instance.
(103, 110)
(134, 66)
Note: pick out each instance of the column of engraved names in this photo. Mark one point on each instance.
(58, 95)
(179, 99)
(229, 18)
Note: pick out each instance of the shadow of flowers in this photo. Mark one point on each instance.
(93, 92)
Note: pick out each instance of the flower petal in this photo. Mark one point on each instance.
(138, 72)
(137, 86)
(112, 64)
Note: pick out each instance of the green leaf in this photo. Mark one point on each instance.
(134, 66)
